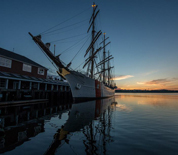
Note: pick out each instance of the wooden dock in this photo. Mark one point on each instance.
(24, 102)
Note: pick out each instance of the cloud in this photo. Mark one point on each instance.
(151, 72)
(158, 81)
(175, 79)
(140, 83)
(122, 77)
(174, 88)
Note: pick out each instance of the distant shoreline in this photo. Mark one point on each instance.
(145, 91)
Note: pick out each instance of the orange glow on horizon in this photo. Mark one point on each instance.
(145, 87)
(145, 99)
(137, 88)
(159, 84)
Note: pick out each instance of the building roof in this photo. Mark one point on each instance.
(18, 57)
(29, 78)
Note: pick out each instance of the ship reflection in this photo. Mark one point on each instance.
(93, 120)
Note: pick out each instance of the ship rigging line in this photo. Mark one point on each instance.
(72, 29)
(79, 65)
(48, 58)
(64, 21)
(67, 38)
(64, 27)
(72, 46)
(79, 49)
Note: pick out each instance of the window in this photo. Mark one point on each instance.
(27, 68)
(41, 71)
(5, 62)
(2, 83)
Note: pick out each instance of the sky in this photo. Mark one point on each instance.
(143, 35)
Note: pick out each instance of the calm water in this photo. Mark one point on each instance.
(129, 124)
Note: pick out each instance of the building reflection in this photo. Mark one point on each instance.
(19, 123)
(93, 120)
(16, 136)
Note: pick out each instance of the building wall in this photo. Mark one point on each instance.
(17, 67)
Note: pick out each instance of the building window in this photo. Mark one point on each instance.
(27, 68)
(2, 83)
(41, 71)
(25, 85)
(5, 62)
(34, 86)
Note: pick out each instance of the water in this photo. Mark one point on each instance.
(129, 124)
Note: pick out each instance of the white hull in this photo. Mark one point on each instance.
(85, 88)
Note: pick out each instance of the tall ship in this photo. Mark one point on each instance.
(97, 81)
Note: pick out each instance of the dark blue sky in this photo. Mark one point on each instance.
(143, 35)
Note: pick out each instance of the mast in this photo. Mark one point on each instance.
(63, 70)
(93, 35)
(108, 72)
(45, 48)
(104, 57)
(91, 49)
(54, 49)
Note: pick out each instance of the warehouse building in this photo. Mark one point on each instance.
(18, 72)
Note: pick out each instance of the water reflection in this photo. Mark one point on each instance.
(20, 123)
(15, 136)
(137, 124)
(91, 119)
(121, 107)
(163, 100)
(146, 123)
(82, 118)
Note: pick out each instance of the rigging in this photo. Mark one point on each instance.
(65, 21)
(64, 27)
(67, 38)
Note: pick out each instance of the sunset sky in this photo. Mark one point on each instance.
(143, 35)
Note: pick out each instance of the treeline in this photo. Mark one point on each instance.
(146, 91)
